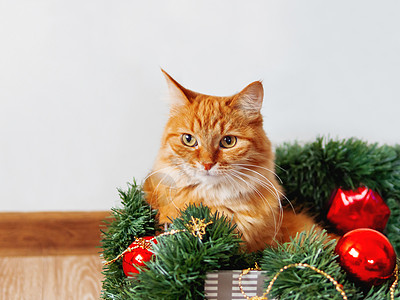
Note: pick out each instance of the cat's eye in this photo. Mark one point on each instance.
(228, 141)
(188, 140)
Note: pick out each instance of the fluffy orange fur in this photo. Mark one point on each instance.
(214, 151)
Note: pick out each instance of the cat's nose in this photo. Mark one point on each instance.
(207, 166)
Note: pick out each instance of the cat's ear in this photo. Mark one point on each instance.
(250, 99)
(177, 93)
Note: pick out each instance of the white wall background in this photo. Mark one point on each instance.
(80, 87)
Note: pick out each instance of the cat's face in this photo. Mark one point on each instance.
(211, 141)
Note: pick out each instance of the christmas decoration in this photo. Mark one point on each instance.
(197, 227)
(309, 173)
(367, 256)
(134, 218)
(361, 208)
(246, 272)
(139, 252)
(183, 259)
(138, 255)
(295, 263)
(303, 265)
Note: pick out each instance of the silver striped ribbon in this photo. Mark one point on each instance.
(224, 285)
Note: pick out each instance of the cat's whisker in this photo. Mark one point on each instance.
(264, 177)
(170, 198)
(229, 179)
(156, 172)
(234, 182)
(255, 189)
(278, 166)
(170, 188)
(268, 183)
(277, 191)
(267, 187)
(260, 182)
(238, 177)
(158, 185)
(256, 166)
(166, 174)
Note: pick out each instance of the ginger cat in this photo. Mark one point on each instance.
(214, 151)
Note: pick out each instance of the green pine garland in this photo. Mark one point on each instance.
(305, 283)
(310, 173)
(134, 219)
(182, 260)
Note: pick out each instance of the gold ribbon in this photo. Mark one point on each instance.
(196, 226)
(337, 285)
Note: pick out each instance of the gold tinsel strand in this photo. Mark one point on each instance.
(265, 295)
(396, 281)
(338, 286)
(196, 227)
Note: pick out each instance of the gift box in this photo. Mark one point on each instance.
(224, 285)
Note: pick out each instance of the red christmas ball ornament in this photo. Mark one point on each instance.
(362, 208)
(140, 254)
(367, 256)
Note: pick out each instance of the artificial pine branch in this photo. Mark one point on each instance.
(134, 219)
(393, 226)
(182, 259)
(309, 173)
(313, 248)
(316, 249)
(312, 171)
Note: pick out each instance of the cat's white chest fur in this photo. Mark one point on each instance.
(222, 194)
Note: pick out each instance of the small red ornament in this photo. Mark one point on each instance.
(139, 255)
(367, 256)
(362, 208)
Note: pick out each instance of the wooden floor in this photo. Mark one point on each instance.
(50, 256)
(50, 277)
